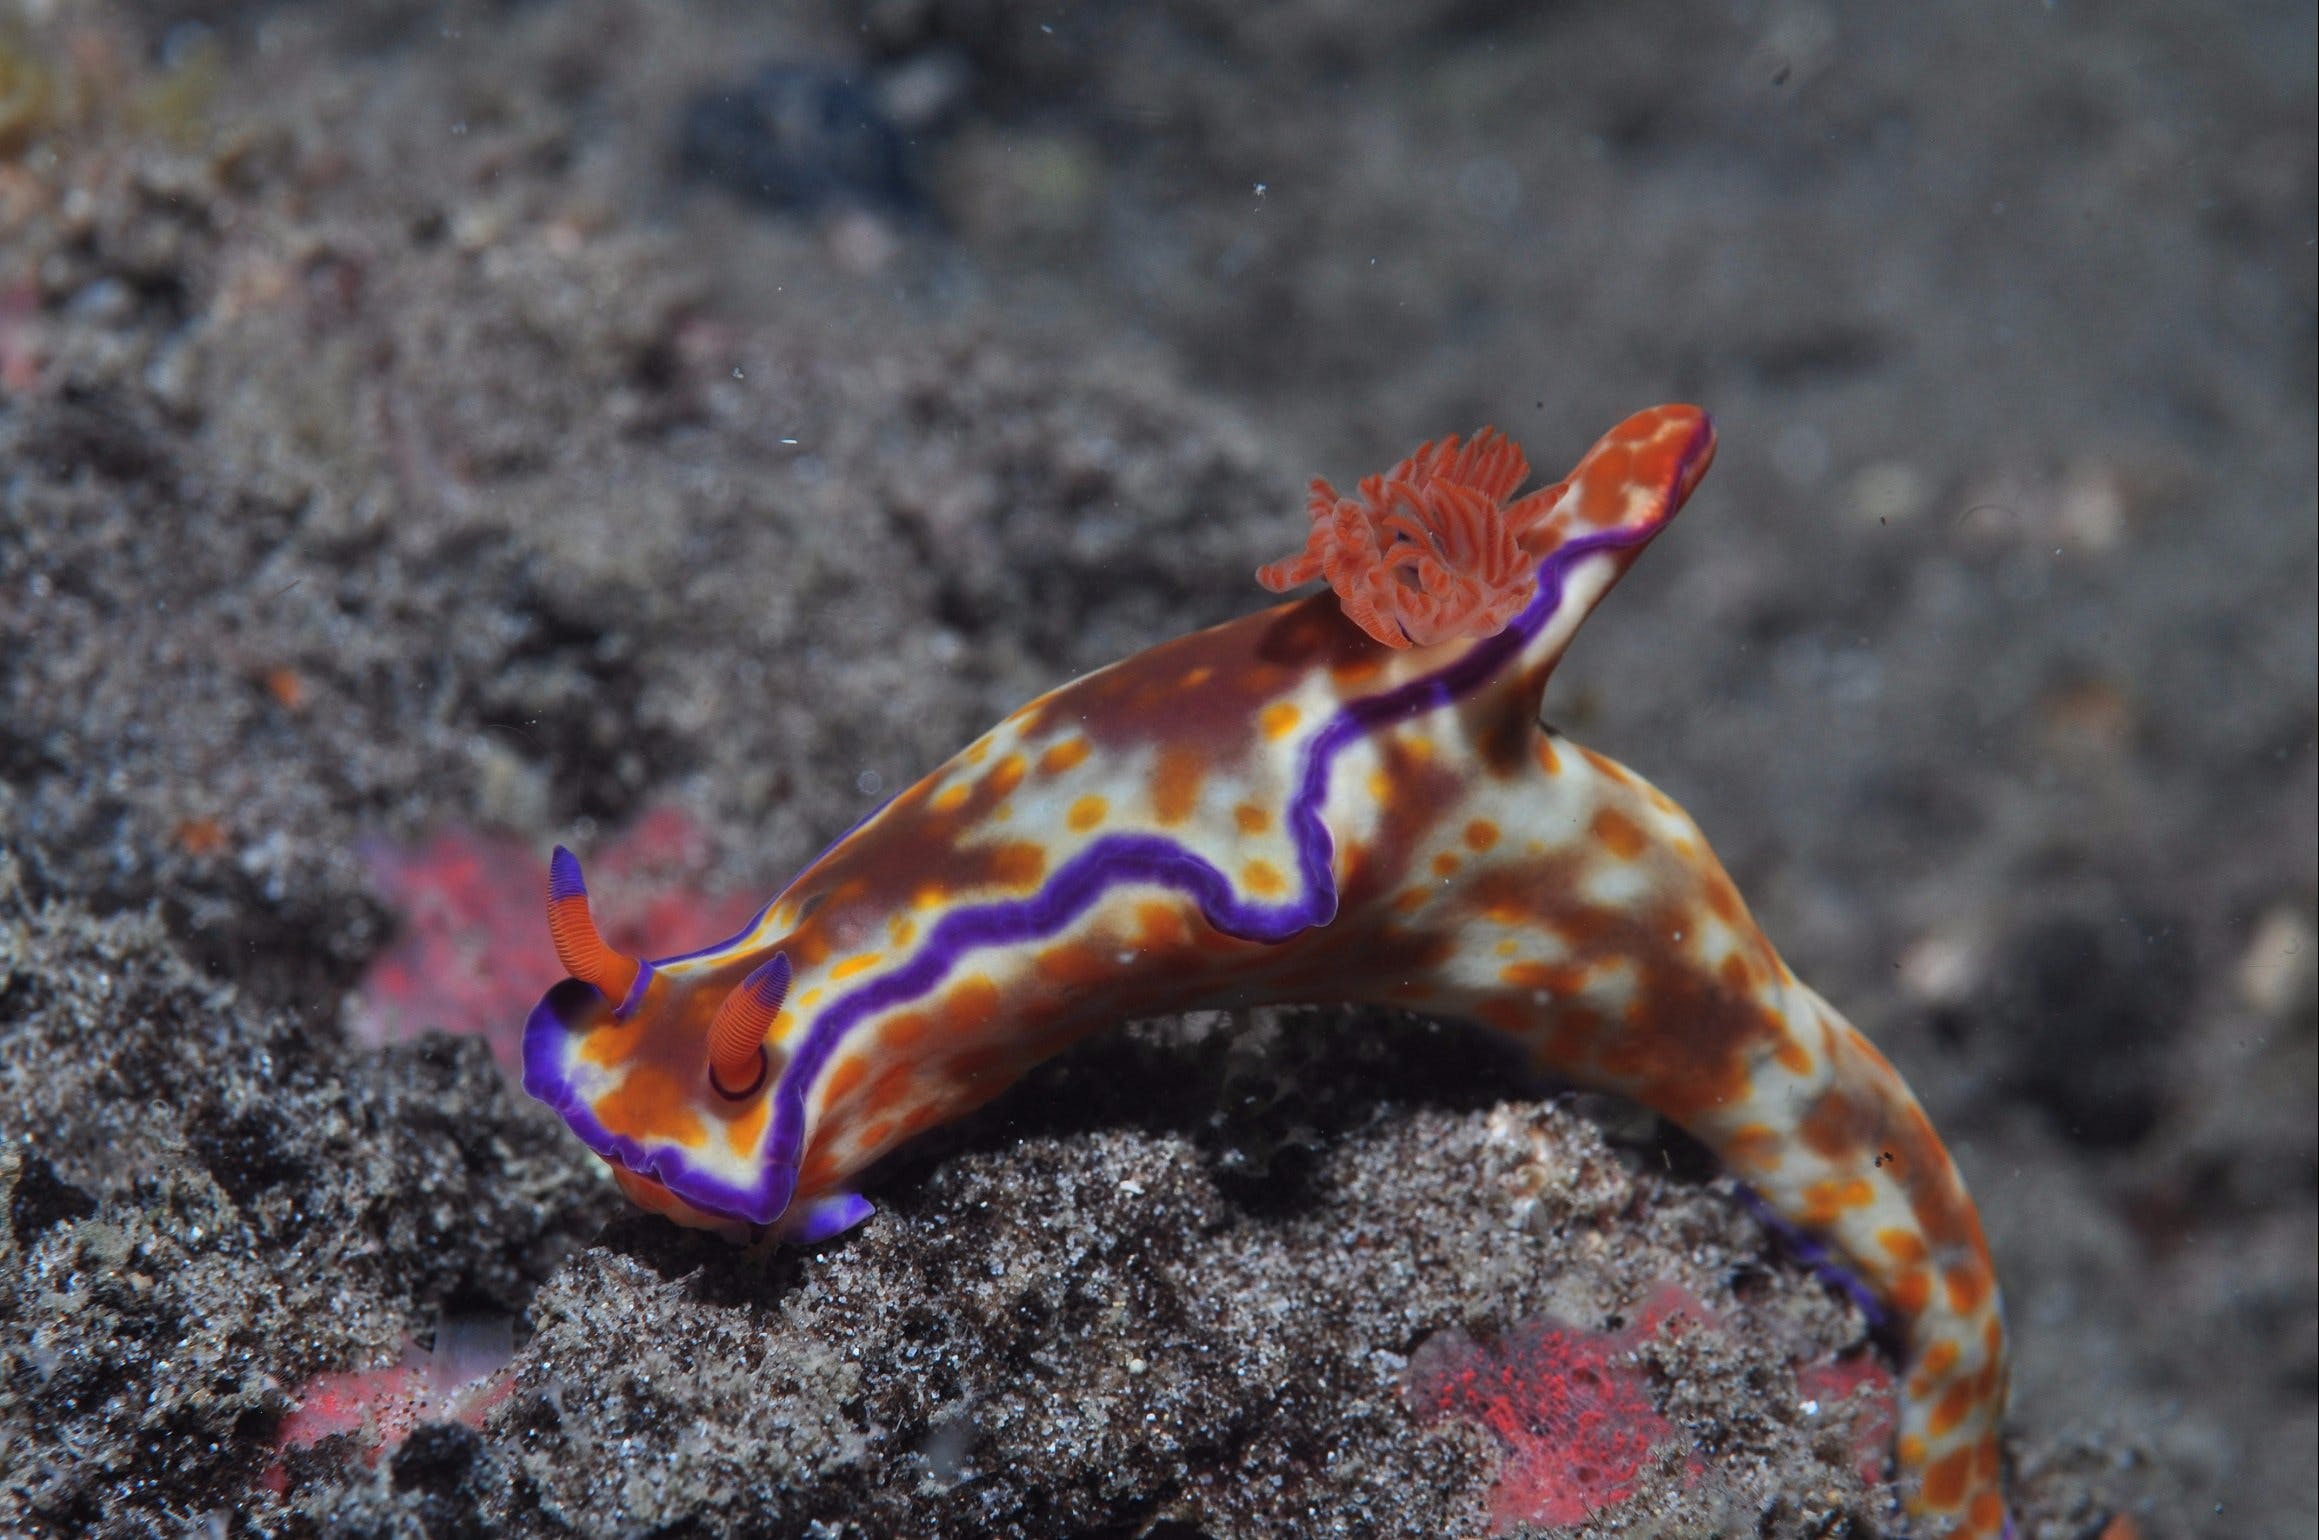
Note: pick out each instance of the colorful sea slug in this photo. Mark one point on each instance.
(1348, 797)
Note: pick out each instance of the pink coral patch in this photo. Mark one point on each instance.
(1859, 1387)
(472, 955)
(461, 1379)
(20, 340)
(1572, 1408)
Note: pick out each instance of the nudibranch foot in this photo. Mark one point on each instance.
(823, 1218)
(1344, 798)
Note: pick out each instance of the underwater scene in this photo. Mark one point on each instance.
(1159, 770)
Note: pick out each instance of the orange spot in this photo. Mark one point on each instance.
(1251, 818)
(1175, 788)
(1355, 669)
(1278, 720)
(861, 962)
(1410, 900)
(744, 1132)
(1446, 864)
(1794, 1057)
(1017, 864)
(1755, 1147)
(1481, 834)
(1086, 813)
(951, 797)
(1968, 1286)
(1945, 1479)
(1006, 775)
(1196, 677)
(1859, 1192)
(1262, 878)
(1617, 833)
(904, 1032)
(1601, 500)
(1909, 1451)
(1903, 1246)
(872, 1136)
(1723, 900)
(978, 751)
(1988, 1459)
(200, 836)
(1838, 1126)
(1952, 1410)
(844, 1081)
(1073, 963)
(970, 1006)
(1066, 755)
(1554, 978)
(1380, 789)
(1160, 928)
(613, 1042)
(1601, 764)
(1824, 1202)
(902, 929)
(1419, 750)
(929, 895)
(1548, 760)
(1737, 974)
(1988, 1516)
(894, 1085)
(650, 1104)
(1911, 1293)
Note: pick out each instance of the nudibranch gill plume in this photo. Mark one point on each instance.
(1346, 797)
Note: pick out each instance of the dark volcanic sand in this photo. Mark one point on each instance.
(415, 417)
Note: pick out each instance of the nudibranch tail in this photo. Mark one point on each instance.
(1587, 529)
(737, 1035)
(580, 947)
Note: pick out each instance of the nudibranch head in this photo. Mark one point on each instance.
(665, 1069)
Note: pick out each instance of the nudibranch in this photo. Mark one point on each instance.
(1347, 797)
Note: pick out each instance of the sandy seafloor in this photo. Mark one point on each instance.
(399, 433)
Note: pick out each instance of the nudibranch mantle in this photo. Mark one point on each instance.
(1347, 797)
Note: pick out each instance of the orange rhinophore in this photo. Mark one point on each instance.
(737, 1036)
(580, 947)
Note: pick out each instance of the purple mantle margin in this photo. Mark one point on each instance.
(1145, 859)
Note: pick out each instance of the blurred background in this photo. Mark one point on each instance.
(528, 419)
